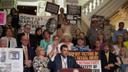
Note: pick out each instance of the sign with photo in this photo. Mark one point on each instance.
(87, 60)
(11, 60)
(52, 8)
(2, 18)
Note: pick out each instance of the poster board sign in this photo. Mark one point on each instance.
(52, 8)
(94, 65)
(33, 20)
(88, 60)
(11, 60)
(74, 10)
(2, 18)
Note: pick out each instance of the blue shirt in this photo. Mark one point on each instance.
(118, 32)
(81, 49)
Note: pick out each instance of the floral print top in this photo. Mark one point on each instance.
(40, 65)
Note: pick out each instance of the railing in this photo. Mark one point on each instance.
(91, 5)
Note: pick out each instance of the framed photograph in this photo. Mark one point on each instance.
(2, 18)
(74, 10)
(52, 8)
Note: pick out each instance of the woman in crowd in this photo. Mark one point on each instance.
(47, 40)
(38, 36)
(118, 45)
(8, 22)
(101, 39)
(82, 35)
(81, 46)
(96, 46)
(53, 48)
(123, 55)
(7, 25)
(40, 61)
(11, 41)
(66, 39)
(75, 36)
(15, 19)
(59, 33)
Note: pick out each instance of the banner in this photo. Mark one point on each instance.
(33, 20)
(11, 60)
(88, 60)
(2, 18)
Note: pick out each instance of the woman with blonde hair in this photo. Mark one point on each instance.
(66, 39)
(40, 62)
(123, 55)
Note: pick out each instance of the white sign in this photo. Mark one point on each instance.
(94, 65)
(33, 20)
(11, 60)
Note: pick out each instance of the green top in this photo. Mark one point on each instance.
(45, 44)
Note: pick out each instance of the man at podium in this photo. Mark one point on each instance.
(63, 60)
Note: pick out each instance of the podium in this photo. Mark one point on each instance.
(75, 70)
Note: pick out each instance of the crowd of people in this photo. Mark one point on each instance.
(46, 52)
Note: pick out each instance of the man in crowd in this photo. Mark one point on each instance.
(108, 59)
(63, 60)
(27, 29)
(120, 31)
(28, 55)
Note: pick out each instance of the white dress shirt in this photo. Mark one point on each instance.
(13, 42)
(64, 62)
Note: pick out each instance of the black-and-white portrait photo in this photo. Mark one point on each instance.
(14, 55)
(2, 56)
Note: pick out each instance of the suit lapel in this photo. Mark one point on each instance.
(68, 62)
(59, 62)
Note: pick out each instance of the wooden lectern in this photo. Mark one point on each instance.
(75, 70)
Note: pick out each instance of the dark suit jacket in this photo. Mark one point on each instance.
(31, 39)
(57, 64)
(104, 62)
(31, 55)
